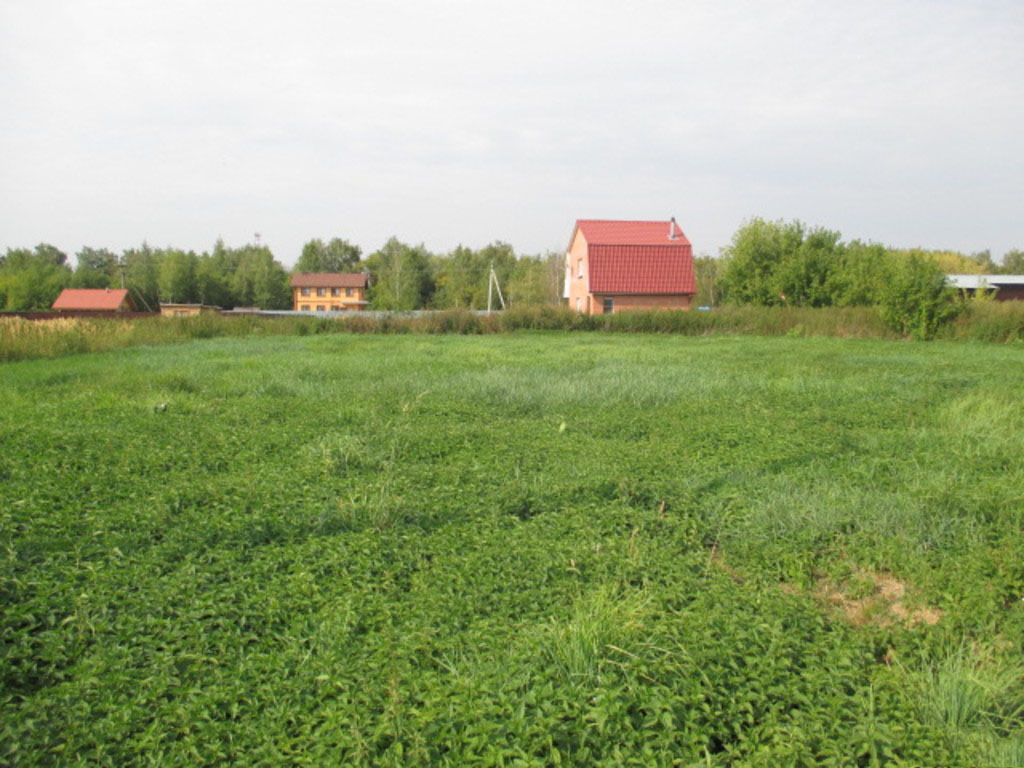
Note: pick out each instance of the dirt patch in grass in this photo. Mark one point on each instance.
(880, 599)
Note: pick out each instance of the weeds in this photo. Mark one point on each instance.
(521, 549)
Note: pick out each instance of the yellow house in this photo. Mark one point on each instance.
(329, 291)
(187, 310)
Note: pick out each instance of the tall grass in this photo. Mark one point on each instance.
(998, 321)
(977, 698)
(600, 624)
(24, 339)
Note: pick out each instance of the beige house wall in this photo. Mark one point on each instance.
(636, 302)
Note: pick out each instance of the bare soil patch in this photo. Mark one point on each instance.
(877, 598)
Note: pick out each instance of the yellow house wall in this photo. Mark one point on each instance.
(171, 310)
(309, 303)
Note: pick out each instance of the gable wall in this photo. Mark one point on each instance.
(578, 288)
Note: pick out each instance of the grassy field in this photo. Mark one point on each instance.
(514, 550)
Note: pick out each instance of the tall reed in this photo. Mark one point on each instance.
(22, 338)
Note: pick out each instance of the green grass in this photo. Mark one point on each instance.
(522, 550)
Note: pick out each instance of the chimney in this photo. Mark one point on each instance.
(672, 229)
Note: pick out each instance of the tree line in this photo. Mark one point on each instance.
(780, 263)
(769, 263)
(402, 276)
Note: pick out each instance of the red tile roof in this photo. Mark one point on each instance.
(640, 269)
(92, 298)
(601, 232)
(637, 257)
(330, 280)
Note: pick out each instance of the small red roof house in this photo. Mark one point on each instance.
(329, 291)
(617, 266)
(94, 299)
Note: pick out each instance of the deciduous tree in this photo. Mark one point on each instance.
(335, 256)
(178, 276)
(33, 278)
(755, 255)
(96, 268)
(401, 276)
(1013, 262)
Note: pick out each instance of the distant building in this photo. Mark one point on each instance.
(329, 291)
(94, 299)
(1006, 287)
(616, 266)
(187, 310)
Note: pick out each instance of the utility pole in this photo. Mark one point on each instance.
(492, 285)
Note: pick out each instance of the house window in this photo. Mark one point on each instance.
(579, 304)
(305, 291)
(320, 308)
(348, 291)
(335, 308)
(321, 291)
(579, 269)
(335, 291)
(608, 305)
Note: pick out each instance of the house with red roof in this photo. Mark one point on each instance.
(329, 291)
(94, 299)
(618, 266)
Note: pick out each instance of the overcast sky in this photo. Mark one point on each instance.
(458, 121)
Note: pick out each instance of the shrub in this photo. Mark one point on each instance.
(918, 300)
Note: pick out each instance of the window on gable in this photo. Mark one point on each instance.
(579, 268)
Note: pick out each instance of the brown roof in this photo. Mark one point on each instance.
(330, 280)
(93, 298)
